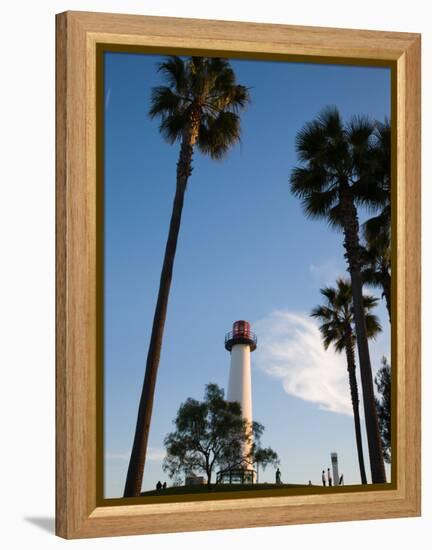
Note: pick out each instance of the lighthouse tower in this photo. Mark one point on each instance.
(240, 342)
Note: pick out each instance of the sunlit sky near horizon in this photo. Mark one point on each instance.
(245, 251)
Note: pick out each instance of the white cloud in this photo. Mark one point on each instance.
(290, 349)
(327, 272)
(153, 454)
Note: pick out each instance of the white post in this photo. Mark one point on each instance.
(335, 468)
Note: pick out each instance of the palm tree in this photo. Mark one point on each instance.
(376, 268)
(381, 169)
(334, 177)
(198, 107)
(377, 231)
(336, 317)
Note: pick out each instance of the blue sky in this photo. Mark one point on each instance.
(245, 251)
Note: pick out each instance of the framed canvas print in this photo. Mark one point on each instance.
(238, 275)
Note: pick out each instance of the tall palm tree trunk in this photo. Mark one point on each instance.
(352, 247)
(349, 350)
(139, 449)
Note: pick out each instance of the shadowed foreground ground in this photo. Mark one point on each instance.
(193, 489)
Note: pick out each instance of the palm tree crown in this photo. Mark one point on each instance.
(202, 89)
(337, 315)
(336, 156)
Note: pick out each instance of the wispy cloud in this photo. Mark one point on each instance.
(154, 454)
(327, 272)
(107, 99)
(117, 456)
(290, 349)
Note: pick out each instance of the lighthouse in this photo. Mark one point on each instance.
(240, 342)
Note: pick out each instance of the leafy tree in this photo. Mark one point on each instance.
(383, 384)
(264, 457)
(337, 320)
(199, 108)
(212, 434)
(338, 173)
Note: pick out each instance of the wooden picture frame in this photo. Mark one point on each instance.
(79, 36)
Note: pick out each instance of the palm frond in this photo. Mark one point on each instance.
(172, 127)
(371, 277)
(373, 326)
(331, 336)
(383, 136)
(304, 180)
(334, 218)
(322, 312)
(310, 142)
(360, 132)
(217, 134)
(163, 102)
(369, 302)
(378, 227)
(317, 205)
(329, 293)
(330, 120)
(369, 194)
(173, 70)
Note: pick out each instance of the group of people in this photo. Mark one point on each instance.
(160, 485)
(327, 478)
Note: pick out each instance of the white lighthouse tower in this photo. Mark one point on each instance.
(240, 342)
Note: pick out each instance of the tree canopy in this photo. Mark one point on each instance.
(383, 384)
(212, 434)
(202, 90)
(338, 318)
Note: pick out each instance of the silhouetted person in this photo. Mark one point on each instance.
(323, 478)
(158, 485)
(164, 485)
(329, 477)
(341, 480)
(310, 482)
(278, 476)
